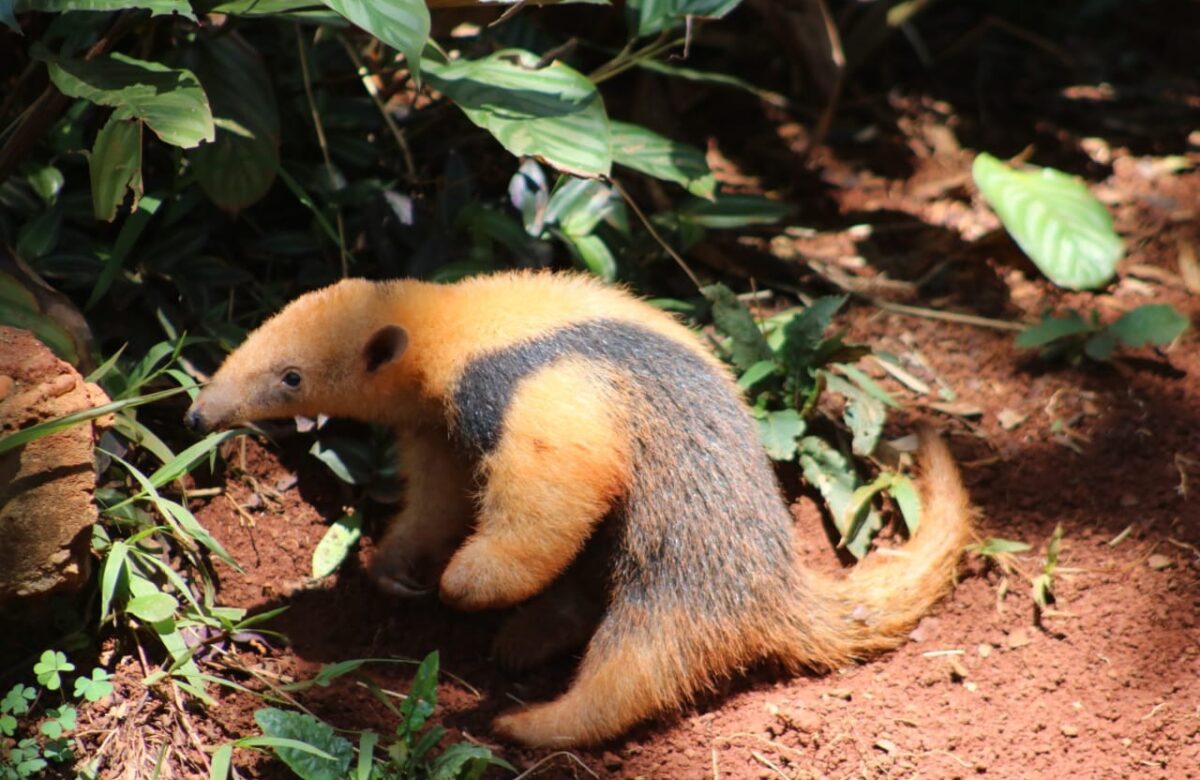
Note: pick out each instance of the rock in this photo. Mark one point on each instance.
(1159, 562)
(1019, 637)
(46, 485)
(1069, 730)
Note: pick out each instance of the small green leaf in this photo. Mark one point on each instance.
(8, 725)
(652, 154)
(169, 101)
(115, 165)
(1053, 328)
(733, 211)
(47, 181)
(864, 414)
(18, 699)
(50, 668)
(831, 473)
(306, 729)
(337, 543)
(779, 431)
(1156, 324)
(1101, 346)
(401, 24)
(94, 688)
(594, 254)
(1055, 220)
(553, 113)
(995, 546)
(349, 459)
(757, 373)
(647, 17)
(422, 698)
(804, 335)
(734, 320)
(152, 607)
(908, 498)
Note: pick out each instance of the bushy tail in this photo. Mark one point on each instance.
(878, 603)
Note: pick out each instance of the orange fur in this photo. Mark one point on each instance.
(563, 416)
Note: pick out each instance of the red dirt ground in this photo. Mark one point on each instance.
(1105, 685)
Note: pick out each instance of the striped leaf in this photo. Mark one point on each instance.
(647, 17)
(552, 113)
(652, 154)
(238, 168)
(169, 101)
(156, 7)
(1063, 229)
(401, 24)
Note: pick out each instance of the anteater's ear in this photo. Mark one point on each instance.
(385, 346)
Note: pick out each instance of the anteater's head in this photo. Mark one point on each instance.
(319, 355)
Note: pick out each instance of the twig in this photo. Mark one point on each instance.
(323, 143)
(372, 88)
(655, 235)
(948, 316)
(552, 756)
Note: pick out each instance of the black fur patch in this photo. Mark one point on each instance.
(702, 486)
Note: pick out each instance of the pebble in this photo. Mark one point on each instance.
(1159, 562)
(1069, 730)
(1019, 638)
(985, 650)
(845, 694)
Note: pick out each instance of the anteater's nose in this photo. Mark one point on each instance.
(193, 420)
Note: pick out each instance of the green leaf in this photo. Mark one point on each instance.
(908, 498)
(152, 607)
(337, 543)
(831, 473)
(115, 165)
(349, 459)
(401, 24)
(757, 373)
(1055, 220)
(994, 546)
(306, 729)
(853, 525)
(94, 688)
(864, 414)
(779, 431)
(747, 343)
(156, 7)
(169, 101)
(647, 17)
(464, 761)
(733, 211)
(553, 113)
(652, 154)
(579, 205)
(804, 334)
(222, 761)
(594, 254)
(1155, 323)
(47, 181)
(422, 698)
(367, 740)
(50, 668)
(1100, 346)
(18, 699)
(1053, 328)
(238, 168)
(111, 575)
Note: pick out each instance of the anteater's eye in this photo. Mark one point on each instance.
(291, 378)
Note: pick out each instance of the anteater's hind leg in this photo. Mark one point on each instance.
(631, 671)
(561, 463)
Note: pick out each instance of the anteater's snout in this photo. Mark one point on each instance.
(194, 420)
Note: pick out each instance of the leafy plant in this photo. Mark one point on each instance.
(1071, 337)
(1043, 583)
(314, 751)
(783, 367)
(31, 755)
(1059, 224)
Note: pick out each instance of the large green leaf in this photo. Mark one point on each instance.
(306, 729)
(238, 168)
(1154, 323)
(733, 211)
(647, 17)
(156, 7)
(552, 113)
(1055, 220)
(115, 165)
(401, 24)
(169, 101)
(747, 344)
(652, 154)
